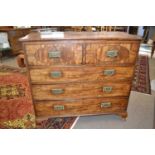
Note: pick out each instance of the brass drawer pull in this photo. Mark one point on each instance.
(109, 72)
(112, 53)
(105, 104)
(107, 89)
(54, 54)
(55, 74)
(57, 91)
(59, 107)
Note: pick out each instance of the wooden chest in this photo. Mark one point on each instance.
(80, 73)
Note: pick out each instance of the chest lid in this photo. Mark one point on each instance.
(47, 36)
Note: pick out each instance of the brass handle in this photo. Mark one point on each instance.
(107, 89)
(57, 91)
(105, 104)
(112, 53)
(54, 54)
(55, 74)
(59, 107)
(109, 72)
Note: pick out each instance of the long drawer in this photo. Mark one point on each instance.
(80, 107)
(80, 90)
(80, 74)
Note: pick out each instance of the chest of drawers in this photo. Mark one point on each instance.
(80, 73)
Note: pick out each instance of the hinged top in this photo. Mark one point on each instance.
(39, 36)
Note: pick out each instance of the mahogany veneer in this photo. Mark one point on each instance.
(80, 73)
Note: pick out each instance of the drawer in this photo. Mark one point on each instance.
(80, 107)
(80, 74)
(54, 53)
(80, 90)
(111, 53)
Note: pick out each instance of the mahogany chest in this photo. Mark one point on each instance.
(80, 73)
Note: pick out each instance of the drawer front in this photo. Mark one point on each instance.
(80, 74)
(54, 54)
(79, 90)
(111, 53)
(80, 107)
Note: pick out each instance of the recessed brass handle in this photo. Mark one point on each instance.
(112, 53)
(105, 104)
(55, 74)
(107, 89)
(59, 107)
(109, 72)
(57, 91)
(54, 54)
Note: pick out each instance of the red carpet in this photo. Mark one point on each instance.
(141, 81)
(56, 123)
(16, 108)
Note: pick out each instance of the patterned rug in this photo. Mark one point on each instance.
(141, 83)
(16, 107)
(57, 123)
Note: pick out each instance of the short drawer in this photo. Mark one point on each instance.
(80, 90)
(54, 53)
(80, 107)
(80, 74)
(109, 53)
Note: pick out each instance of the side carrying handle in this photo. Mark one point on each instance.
(21, 60)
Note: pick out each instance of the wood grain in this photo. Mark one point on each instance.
(80, 107)
(82, 62)
(36, 36)
(80, 74)
(38, 54)
(96, 53)
(80, 90)
(77, 53)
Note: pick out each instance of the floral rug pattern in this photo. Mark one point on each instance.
(16, 108)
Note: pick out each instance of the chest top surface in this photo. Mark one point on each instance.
(49, 36)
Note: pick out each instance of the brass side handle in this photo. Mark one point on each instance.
(59, 107)
(106, 104)
(112, 53)
(107, 89)
(57, 91)
(109, 72)
(54, 54)
(56, 74)
(21, 60)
